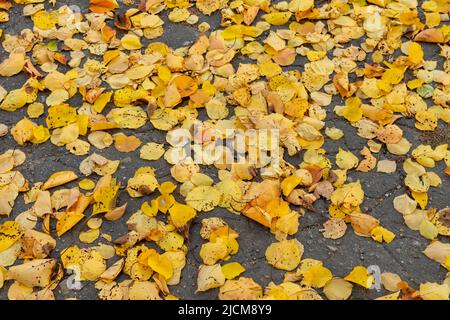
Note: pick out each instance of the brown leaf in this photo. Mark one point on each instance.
(93, 94)
(300, 197)
(31, 70)
(444, 217)
(323, 189)
(122, 21)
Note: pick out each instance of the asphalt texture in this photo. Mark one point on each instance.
(403, 256)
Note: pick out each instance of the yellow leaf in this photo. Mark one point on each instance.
(285, 255)
(131, 117)
(151, 151)
(317, 276)
(434, 291)
(203, 198)
(300, 5)
(9, 234)
(165, 202)
(23, 131)
(352, 111)
(185, 85)
(140, 181)
(361, 276)
(428, 230)
(172, 241)
(348, 195)
(379, 234)
(415, 53)
(288, 184)
(167, 187)
(131, 42)
(346, 160)
(164, 74)
(277, 18)
(102, 6)
(426, 121)
(210, 277)
(44, 20)
(105, 196)
(101, 102)
(86, 184)
(150, 210)
(126, 96)
(391, 296)
(421, 198)
(14, 64)
(181, 214)
(14, 100)
(447, 262)
(67, 221)
(160, 264)
(89, 236)
(232, 270)
(82, 123)
(60, 115)
(240, 289)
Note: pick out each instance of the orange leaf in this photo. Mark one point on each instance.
(125, 143)
(447, 171)
(258, 216)
(5, 5)
(107, 32)
(60, 58)
(186, 86)
(102, 6)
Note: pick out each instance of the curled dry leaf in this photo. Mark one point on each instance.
(58, 179)
(116, 213)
